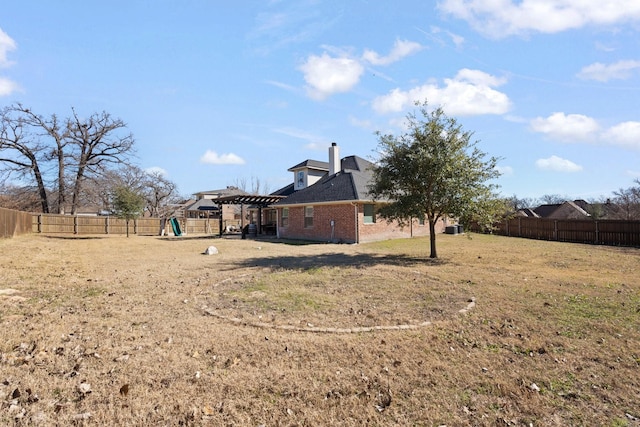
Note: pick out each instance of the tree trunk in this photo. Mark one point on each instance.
(432, 238)
(62, 188)
(44, 199)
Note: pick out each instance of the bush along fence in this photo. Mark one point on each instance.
(13, 223)
(79, 224)
(600, 232)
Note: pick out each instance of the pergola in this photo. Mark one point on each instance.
(259, 201)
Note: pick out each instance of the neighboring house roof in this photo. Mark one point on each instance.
(544, 211)
(527, 212)
(311, 164)
(229, 191)
(203, 205)
(569, 210)
(350, 184)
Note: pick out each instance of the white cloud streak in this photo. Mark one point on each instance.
(401, 49)
(604, 72)
(502, 18)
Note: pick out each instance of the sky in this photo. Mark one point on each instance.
(218, 92)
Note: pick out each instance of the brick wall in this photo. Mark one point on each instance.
(343, 229)
(344, 225)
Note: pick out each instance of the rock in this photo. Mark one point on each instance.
(211, 250)
(84, 388)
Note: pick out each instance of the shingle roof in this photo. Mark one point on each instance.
(545, 210)
(203, 205)
(311, 164)
(350, 184)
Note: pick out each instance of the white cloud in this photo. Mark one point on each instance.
(7, 87)
(501, 18)
(602, 72)
(213, 158)
(7, 44)
(470, 92)
(558, 164)
(626, 134)
(569, 128)
(579, 128)
(326, 75)
(401, 48)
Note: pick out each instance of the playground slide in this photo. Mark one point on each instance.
(176, 227)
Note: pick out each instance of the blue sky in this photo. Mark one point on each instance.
(216, 92)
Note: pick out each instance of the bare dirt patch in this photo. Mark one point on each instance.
(117, 331)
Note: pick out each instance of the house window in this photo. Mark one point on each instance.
(369, 214)
(421, 220)
(285, 217)
(308, 216)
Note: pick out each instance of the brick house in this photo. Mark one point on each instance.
(330, 203)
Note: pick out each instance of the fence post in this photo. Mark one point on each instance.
(40, 223)
(519, 226)
(106, 224)
(555, 230)
(75, 224)
(135, 225)
(597, 233)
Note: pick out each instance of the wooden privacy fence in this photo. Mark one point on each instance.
(78, 224)
(13, 223)
(601, 232)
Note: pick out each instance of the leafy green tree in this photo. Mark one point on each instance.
(433, 170)
(127, 204)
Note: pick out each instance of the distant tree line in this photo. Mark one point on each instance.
(58, 165)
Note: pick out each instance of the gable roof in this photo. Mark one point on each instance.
(311, 164)
(545, 211)
(203, 205)
(350, 184)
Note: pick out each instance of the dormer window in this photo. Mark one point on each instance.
(300, 180)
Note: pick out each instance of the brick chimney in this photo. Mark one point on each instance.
(334, 159)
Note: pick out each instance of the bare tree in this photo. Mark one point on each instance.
(22, 154)
(628, 199)
(59, 134)
(53, 153)
(159, 192)
(19, 198)
(553, 199)
(97, 145)
(253, 186)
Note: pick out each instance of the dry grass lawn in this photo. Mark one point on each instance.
(148, 331)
